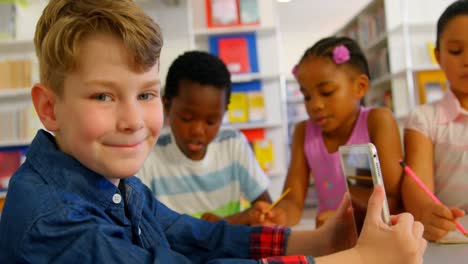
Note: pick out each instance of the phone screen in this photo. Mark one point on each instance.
(357, 170)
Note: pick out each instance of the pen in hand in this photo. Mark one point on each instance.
(262, 217)
(418, 181)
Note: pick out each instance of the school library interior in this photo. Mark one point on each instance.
(260, 42)
(256, 40)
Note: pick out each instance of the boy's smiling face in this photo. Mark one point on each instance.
(195, 116)
(110, 114)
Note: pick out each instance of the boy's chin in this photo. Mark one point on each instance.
(196, 155)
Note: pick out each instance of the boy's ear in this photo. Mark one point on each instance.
(44, 101)
(361, 85)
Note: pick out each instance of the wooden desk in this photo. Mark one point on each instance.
(435, 253)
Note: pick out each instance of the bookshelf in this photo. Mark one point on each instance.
(267, 48)
(192, 32)
(18, 71)
(396, 35)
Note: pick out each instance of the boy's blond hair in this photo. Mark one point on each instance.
(64, 23)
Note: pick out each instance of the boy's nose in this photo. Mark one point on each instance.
(130, 117)
(198, 128)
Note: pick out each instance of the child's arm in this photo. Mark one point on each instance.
(385, 135)
(249, 216)
(297, 179)
(437, 219)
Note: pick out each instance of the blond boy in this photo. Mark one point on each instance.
(75, 199)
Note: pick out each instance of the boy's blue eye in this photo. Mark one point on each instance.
(146, 96)
(102, 97)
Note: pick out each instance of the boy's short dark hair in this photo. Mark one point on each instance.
(457, 8)
(200, 67)
(64, 23)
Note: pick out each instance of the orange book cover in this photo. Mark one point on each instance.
(234, 52)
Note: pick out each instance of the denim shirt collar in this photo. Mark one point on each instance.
(66, 172)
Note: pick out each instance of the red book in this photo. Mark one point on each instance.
(254, 134)
(9, 162)
(234, 52)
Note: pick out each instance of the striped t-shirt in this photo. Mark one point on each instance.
(445, 123)
(214, 184)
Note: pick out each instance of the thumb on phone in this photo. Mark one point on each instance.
(374, 206)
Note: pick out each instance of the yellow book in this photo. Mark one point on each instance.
(256, 106)
(431, 85)
(263, 150)
(238, 108)
(430, 49)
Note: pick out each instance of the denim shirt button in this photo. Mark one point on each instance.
(117, 198)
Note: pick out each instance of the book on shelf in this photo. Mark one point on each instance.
(19, 123)
(247, 103)
(10, 160)
(293, 91)
(263, 150)
(388, 99)
(430, 51)
(7, 20)
(234, 52)
(221, 13)
(262, 147)
(431, 85)
(238, 108)
(228, 13)
(249, 13)
(237, 51)
(378, 63)
(254, 134)
(256, 104)
(15, 73)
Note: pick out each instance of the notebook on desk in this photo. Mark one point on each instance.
(456, 237)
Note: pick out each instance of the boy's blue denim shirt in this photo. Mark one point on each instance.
(57, 210)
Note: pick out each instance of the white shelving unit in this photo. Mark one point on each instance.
(17, 127)
(404, 29)
(17, 100)
(184, 28)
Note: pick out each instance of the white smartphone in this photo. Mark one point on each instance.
(361, 169)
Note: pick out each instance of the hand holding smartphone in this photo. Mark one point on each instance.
(361, 170)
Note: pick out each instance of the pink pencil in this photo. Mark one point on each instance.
(418, 181)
